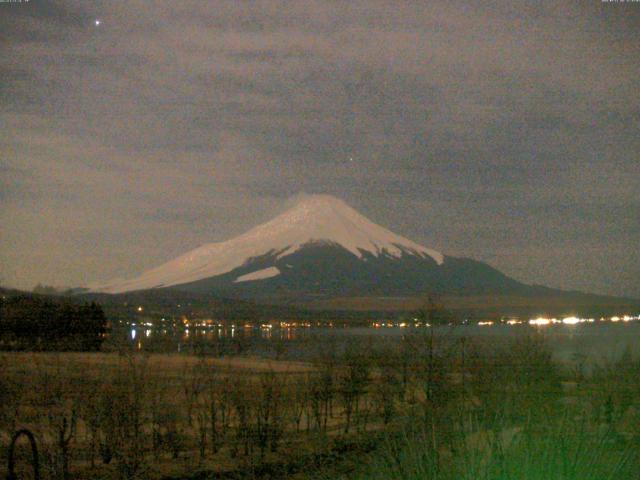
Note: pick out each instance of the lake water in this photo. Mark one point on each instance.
(585, 342)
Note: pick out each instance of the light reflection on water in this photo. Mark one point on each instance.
(596, 341)
(215, 333)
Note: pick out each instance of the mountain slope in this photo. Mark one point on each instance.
(322, 249)
(330, 270)
(316, 220)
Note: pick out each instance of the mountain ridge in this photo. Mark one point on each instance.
(316, 219)
(322, 249)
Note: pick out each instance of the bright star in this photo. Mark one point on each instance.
(98, 22)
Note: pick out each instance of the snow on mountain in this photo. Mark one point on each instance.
(258, 275)
(316, 219)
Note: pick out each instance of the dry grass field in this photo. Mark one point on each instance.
(444, 409)
(154, 415)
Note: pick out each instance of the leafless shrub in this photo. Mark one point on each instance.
(353, 380)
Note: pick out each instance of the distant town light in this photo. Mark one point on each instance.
(539, 321)
(571, 320)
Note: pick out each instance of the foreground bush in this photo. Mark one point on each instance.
(556, 451)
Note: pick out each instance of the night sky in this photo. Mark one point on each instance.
(508, 132)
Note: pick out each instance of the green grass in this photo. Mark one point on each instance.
(562, 449)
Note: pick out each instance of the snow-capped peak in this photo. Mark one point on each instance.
(314, 219)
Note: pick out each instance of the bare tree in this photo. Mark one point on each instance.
(241, 400)
(299, 398)
(354, 377)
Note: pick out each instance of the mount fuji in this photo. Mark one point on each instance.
(321, 248)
